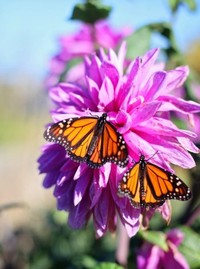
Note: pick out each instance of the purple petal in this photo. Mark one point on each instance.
(149, 257)
(104, 214)
(174, 259)
(175, 236)
(52, 158)
(81, 186)
(80, 214)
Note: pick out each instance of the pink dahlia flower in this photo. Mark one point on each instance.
(73, 47)
(153, 257)
(136, 101)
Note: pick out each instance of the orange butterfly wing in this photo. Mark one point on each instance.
(89, 139)
(148, 185)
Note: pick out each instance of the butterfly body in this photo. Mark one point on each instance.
(148, 185)
(89, 139)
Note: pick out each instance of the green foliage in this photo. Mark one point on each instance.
(138, 43)
(155, 238)
(90, 12)
(190, 247)
(59, 246)
(108, 265)
(175, 4)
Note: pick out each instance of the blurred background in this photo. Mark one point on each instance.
(29, 32)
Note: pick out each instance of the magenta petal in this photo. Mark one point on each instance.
(175, 236)
(106, 94)
(128, 89)
(145, 112)
(93, 67)
(154, 86)
(165, 127)
(165, 211)
(149, 257)
(176, 78)
(177, 104)
(93, 91)
(108, 70)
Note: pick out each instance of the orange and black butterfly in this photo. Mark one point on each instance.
(89, 139)
(148, 185)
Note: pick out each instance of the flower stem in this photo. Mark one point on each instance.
(122, 250)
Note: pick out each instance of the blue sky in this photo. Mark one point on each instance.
(29, 29)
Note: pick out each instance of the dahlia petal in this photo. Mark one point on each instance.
(93, 91)
(145, 112)
(104, 213)
(124, 93)
(106, 93)
(52, 158)
(172, 103)
(165, 211)
(147, 62)
(121, 57)
(110, 71)
(50, 179)
(171, 151)
(154, 85)
(176, 78)
(65, 201)
(79, 215)
(175, 236)
(93, 67)
(165, 127)
(81, 186)
(149, 257)
(174, 259)
(121, 118)
(188, 145)
(104, 173)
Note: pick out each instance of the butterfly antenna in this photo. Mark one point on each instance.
(157, 152)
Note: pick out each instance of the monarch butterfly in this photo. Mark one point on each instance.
(89, 139)
(148, 185)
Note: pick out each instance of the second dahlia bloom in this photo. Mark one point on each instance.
(153, 257)
(73, 47)
(137, 102)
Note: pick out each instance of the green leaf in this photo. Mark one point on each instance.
(108, 265)
(190, 247)
(138, 43)
(175, 4)
(191, 4)
(90, 12)
(155, 238)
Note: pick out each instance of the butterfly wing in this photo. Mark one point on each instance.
(165, 185)
(89, 139)
(130, 185)
(110, 147)
(148, 185)
(74, 134)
